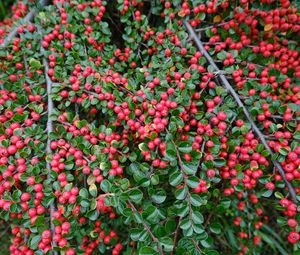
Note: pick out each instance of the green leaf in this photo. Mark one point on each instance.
(211, 252)
(167, 243)
(146, 250)
(151, 214)
(189, 168)
(83, 193)
(40, 220)
(85, 203)
(283, 151)
(93, 190)
(176, 178)
(185, 224)
(170, 226)
(143, 147)
(105, 186)
(135, 233)
(278, 195)
(196, 200)
(215, 227)
(218, 162)
(93, 215)
(34, 241)
(36, 64)
(159, 196)
(180, 193)
(197, 217)
(267, 193)
(170, 153)
(193, 181)
(136, 195)
(222, 55)
(184, 147)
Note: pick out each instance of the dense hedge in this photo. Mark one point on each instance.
(150, 127)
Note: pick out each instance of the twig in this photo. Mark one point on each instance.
(197, 246)
(176, 236)
(148, 230)
(4, 232)
(212, 212)
(150, 11)
(240, 104)
(281, 118)
(105, 195)
(65, 123)
(25, 63)
(184, 179)
(114, 23)
(29, 17)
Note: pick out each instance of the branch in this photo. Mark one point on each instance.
(212, 212)
(29, 17)
(281, 118)
(105, 195)
(197, 246)
(184, 178)
(49, 131)
(147, 229)
(240, 104)
(176, 236)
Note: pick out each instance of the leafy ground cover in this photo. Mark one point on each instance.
(150, 127)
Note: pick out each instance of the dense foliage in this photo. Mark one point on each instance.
(118, 135)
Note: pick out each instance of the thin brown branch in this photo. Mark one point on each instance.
(160, 251)
(176, 236)
(105, 195)
(212, 212)
(197, 246)
(282, 118)
(184, 178)
(240, 104)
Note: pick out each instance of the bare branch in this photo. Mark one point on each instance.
(282, 118)
(197, 246)
(147, 229)
(176, 236)
(240, 104)
(49, 131)
(188, 196)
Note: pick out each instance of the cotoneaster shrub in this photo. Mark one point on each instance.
(118, 136)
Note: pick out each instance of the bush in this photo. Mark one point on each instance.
(150, 127)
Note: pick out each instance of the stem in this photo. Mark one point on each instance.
(49, 131)
(197, 246)
(240, 104)
(281, 118)
(176, 236)
(147, 229)
(105, 195)
(184, 178)
(212, 212)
